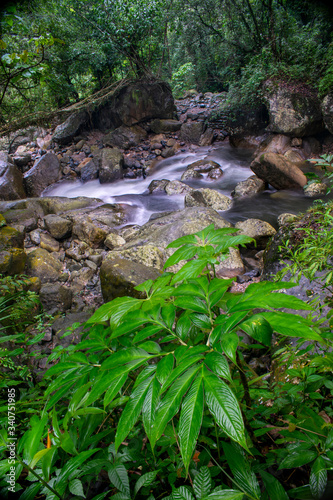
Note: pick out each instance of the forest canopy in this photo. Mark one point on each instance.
(54, 53)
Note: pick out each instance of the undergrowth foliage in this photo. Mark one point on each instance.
(158, 401)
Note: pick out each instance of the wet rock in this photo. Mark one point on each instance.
(159, 126)
(111, 167)
(10, 237)
(158, 185)
(276, 143)
(43, 265)
(315, 189)
(125, 137)
(249, 187)
(215, 173)
(260, 230)
(232, 266)
(191, 132)
(293, 110)
(285, 218)
(89, 233)
(327, 110)
(35, 236)
(49, 243)
(55, 297)
(113, 240)
(66, 131)
(11, 180)
(21, 157)
(46, 171)
(207, 137)
(176, 187)
(119, 277)
(276, 170)
(294, 155)
(59, 227)
(88, 169)
(196, 169)
(12, 261)
(58, 205)
(206, 197)
(78, 250)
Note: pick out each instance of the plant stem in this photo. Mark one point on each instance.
(38, 477)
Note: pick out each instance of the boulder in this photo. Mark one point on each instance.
(113, 240)
(232, 266)
(111, 167)
(191, 132)
(125, 137)
(49, 243)
(158, 185)
(293, 110)
(88, 169)
(135, 102)
(258, 229)
(10, 237)
(67, 130)
(119, 277)
(55, 297)
(196, 170)
(249, 187)
(207, 137)
(206, 197)
(12, 261)
(315, 189)
(46, 171)
(59, 227)
(11, 180)
(89, 232)
(147, 245)
(159, 126)
(41, 264)
(59, 205)
(294, 155)
(176, 187)
(277, 171)
(327, 110)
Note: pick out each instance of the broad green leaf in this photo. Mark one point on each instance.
(168, 314)
(216, 362)
(186, 252)
(47, 461)
(114, 310)
(201, 321)
(39, 455)
(291, 325)
(226, 495)
(74, 463)
(146, 332)
(171, 402)
(192, 304)
(297, 459)
(76, 488)
(240, 467)
(124, 356)
(145, 480)
(224, 407)
(192, 289)
(273, 487)
(184, 240)
(131, 411)
(183, 365)
(151, 347)
(183, 326)
(119, 478)
(164, 368)
(329, 439)
(104, 381)
(190, 421)
(145, 373)
(182, 493)
(229, 344)
(318, 478)
(31, 493)
(190, 270)
(258, 328)
(202, 483)
(150, 406)
(33, 437)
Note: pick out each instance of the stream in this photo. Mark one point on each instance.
(235, 164)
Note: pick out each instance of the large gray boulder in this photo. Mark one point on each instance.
(111, 166)
(249, 187)
(293, 110)
(125, 137)
(159, 126)
(46, 171)
(67, 130)
(41, 264)
(206, 197)
(327, 110)
(11, 181)
(277, 171)
(191, 132)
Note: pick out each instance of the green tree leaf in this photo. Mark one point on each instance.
(273, 487)
(318, 478)
(202, 483)
(145, 480)
(76, 488)
(297, 459)
(119, 478)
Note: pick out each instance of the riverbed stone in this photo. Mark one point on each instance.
(12, 261)
(293, 111)
(206, 197)
(258, 229)
(45, 171)
(41, 264)
(315, 189)
(89, 232)
(232, 266)
(327, 110)
(55, 297)
(11, 181)
(207, 137)
(276, 170)
(60, 204)
(158, 185)
(119, 276)
(88, 169)
(48, 243)
(177, 187)
(249, 187)
(113, 240)
(66, 131)
(196, 169)
(58, 227)
(125, 137)
(191, 132)
(11, 237)
(160, 126)
(111, 167)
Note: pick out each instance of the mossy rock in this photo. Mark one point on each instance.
(10, 237)
(43, 265)
(12, 261)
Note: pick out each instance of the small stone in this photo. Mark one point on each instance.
(35, 236)
(49, 243)
(113, 240)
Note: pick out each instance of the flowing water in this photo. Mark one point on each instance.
(235, 164)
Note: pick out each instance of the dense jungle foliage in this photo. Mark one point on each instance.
(57, 52)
